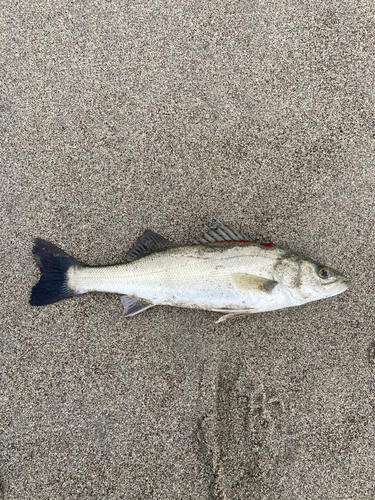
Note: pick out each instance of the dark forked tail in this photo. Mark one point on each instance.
(54, 264)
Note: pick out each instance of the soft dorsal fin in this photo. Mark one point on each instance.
(147, 243)
(223, 233)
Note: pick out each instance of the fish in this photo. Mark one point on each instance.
(224, 271)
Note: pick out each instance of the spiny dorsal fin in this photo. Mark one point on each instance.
(147, 243)
(223, 233)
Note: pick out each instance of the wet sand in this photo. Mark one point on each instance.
(118, 117)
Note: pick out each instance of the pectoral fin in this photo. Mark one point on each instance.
(134, 306)
(253, 283)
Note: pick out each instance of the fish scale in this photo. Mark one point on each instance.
(186, 275)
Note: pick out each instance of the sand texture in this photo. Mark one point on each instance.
(119, 116)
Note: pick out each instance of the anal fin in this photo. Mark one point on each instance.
(134, 306)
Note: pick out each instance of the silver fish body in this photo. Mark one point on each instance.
(230, 276)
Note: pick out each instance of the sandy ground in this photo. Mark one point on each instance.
(120, 116)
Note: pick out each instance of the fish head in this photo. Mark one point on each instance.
(307, 280)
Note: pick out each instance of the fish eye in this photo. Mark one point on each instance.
(323, 272)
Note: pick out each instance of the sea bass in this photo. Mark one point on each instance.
(224, 271)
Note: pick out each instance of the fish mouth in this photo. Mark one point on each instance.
(336, 287)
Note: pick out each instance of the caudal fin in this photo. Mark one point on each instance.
(54, 264)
